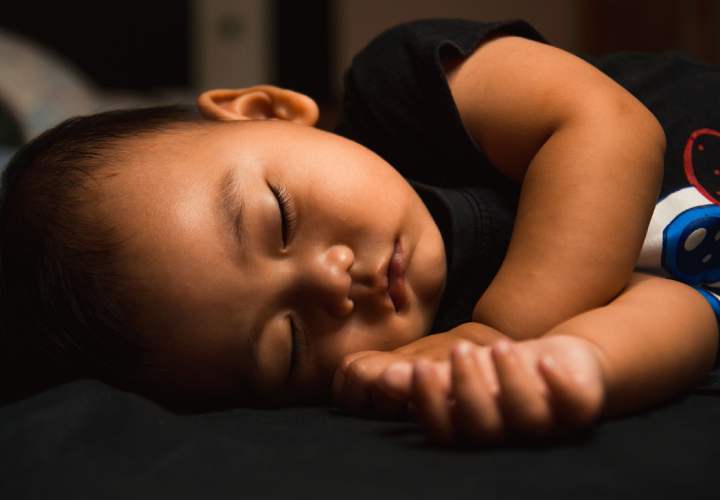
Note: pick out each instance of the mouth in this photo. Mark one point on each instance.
(396, 278)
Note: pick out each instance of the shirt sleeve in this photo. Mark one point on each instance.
(397, 101)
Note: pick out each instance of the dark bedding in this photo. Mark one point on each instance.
(87, 440)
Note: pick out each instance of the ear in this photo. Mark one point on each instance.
(261, 102)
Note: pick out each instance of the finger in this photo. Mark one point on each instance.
(475, 415)
(340, 377)
(430, 403)
(355, 395)
(443, 370)
(575, 404)
(483, 359)
(523, 406)
(396, 381)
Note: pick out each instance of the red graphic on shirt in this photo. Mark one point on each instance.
(701, 149)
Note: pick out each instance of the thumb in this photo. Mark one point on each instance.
(355, 371)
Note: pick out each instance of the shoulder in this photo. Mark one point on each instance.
(397, 101)
(513, 93)
(424, 37)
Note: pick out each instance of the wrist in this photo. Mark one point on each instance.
(600, 358)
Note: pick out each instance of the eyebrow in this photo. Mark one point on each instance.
(231, 208)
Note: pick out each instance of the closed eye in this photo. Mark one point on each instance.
(288, 214)
(298, 346)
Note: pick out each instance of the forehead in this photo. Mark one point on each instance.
(204, 145)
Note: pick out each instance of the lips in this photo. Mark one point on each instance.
(396, 278)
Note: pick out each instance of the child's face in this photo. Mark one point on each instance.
(217, 306)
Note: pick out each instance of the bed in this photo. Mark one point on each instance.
(88, 440)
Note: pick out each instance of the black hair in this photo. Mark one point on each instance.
(63, 308)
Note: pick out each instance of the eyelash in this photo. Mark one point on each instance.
(297, 347)
(288, 215)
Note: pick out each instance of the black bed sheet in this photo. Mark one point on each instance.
(87, 440)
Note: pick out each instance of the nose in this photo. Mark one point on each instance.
(327, 278)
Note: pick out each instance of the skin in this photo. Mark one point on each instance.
(203, 295)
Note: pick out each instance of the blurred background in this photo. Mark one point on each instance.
(59, 59)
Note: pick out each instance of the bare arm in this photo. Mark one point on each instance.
(590, 158)
(656, 339)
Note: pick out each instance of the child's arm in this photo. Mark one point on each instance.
(656, 339)
(590, 159)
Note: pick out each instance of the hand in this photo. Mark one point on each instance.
(541, 387)
(380, 383)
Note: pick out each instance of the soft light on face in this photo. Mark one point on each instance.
(270, 310)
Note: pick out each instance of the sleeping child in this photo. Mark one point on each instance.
(498, 239)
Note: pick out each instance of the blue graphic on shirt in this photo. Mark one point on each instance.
(691, 251)
(691, 245)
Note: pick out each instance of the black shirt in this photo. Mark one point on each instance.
(476, 225)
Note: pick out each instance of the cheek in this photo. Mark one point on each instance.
(364, 195)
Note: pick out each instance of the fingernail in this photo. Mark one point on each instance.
(462, 349)
(502, 347)
(549, 362)
(398, 375)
